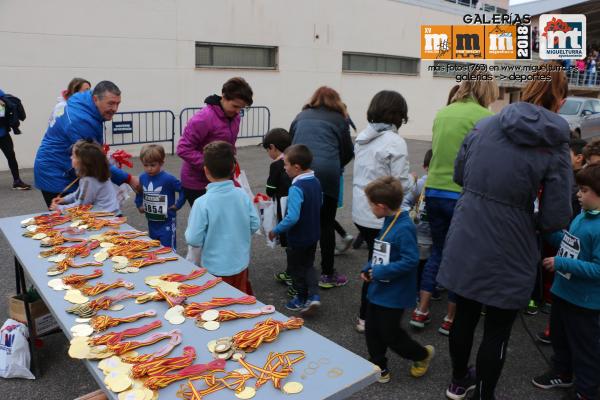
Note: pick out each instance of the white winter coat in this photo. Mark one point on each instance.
(379, 151)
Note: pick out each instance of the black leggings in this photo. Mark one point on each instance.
(48, 196)
(492, 351)
(192, 194)
(369, 235)
(327, 241)
(8, 148)
(339, 229)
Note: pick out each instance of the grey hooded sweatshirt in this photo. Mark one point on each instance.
(491, 253)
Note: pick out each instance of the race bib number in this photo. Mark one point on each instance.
(569, 248)
(381, 253)
(155, 206)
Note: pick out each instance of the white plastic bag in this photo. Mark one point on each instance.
(242, 179)
(194, 255)
(14, 351)
(123, 193)
(267, 211)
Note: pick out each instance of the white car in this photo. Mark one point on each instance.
(577, 110)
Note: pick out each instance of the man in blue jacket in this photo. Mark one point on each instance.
(82, 118)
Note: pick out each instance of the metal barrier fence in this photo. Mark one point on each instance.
(583, 78)
(255, 122)
(137, 127)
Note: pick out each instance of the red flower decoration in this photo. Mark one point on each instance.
(556, 25)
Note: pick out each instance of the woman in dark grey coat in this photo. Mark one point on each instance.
(323, 127)
(491, 254)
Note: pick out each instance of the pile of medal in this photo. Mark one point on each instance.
(118, 379)
(223, 349)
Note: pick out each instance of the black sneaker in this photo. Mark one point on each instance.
(459, 389)
(20, 185)
(552, 380)
(544, 337)
(358, 241)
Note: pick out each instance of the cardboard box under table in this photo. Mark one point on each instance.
(329, 371)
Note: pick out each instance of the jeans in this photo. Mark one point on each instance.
(439, 212)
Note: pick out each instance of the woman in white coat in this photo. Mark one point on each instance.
(379, 151)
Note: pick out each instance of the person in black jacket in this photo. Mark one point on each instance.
(322, 126)
(11, 112)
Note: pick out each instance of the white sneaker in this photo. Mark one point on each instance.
(360, 325)
(344, 245)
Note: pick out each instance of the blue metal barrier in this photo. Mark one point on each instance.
(137, 127)
(255, 122)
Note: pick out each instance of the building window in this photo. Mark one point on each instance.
(235, 56)
(449, 69)
(377, 63)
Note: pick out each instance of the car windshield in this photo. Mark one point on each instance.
(571, 107)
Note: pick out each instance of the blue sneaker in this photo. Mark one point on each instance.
(311, 305)
(295, 304)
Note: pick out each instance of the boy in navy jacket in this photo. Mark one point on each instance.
(157, 199)
(575, 315)
(302, 225)
(392, 277)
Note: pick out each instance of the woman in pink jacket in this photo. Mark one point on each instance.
(218, 120)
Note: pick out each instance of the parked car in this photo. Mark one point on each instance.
(578, 109)
(590, 127)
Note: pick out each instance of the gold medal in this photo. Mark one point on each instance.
(132, 270)
(118, 382)
(248, 393)
(211, 325)
(222, 346)
(82, 330)
(238, 355)
(120, 260)
(175, 315)
(108, 364)
(75, 297)
(57, 258)
(39, 236)
(211, 345)
(224, 356)
(79, 349)
(83, 226)
(27, 222)
(76, 223)
(210, 315)
(100, 256)
(292, 387)
(117, 307)
(107, 245)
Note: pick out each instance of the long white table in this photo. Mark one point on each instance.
(329, 371)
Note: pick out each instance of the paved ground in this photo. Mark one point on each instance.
(64, 378)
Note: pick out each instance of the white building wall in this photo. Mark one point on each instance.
(147, 47)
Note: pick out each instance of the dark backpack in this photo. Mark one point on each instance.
(15, 112)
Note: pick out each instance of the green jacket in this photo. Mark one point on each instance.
(452, 123)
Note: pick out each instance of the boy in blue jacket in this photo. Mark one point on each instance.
(575, 315)
(157, 198)
(223, 220)
(392, 274)
(302, 225)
